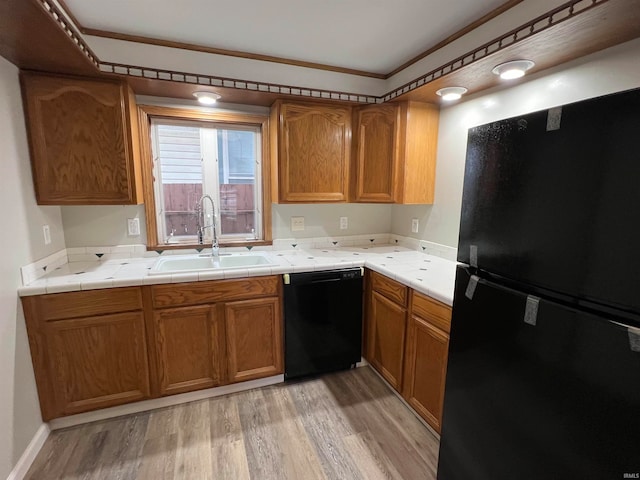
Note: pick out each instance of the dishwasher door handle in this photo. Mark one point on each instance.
(327, 280)
(287, 280)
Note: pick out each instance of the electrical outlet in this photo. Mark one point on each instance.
(133, 227)
(344, 223)
(297, 224)
(414, 225)
(47, 234)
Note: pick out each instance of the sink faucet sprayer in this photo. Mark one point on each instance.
(215, 247)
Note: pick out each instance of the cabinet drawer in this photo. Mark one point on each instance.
(429, 309)
(389, 288)
(58, 306)
(196, 293)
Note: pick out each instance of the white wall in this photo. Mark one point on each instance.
(104, 225)
(324, 220)
(612, 70)
(94, 226)
(22, 243)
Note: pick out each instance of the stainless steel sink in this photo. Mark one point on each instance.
(198, 263)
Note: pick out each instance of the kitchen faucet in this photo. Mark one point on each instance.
(215, 247)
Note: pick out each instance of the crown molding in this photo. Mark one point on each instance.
(574, 29)
(287, 61)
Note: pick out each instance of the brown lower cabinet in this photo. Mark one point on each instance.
(84, 353)
(425, 365)
(102, 348)
(188, 345)
(254, 339)
(387, 330)
(408, 346)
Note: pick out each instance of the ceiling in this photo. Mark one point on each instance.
(388, 33)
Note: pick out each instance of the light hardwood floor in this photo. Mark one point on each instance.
(346, 425)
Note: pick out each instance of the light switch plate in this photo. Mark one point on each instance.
(297, 224)
(414, 225)
(344, 223)
(133, 227)
(47, 234)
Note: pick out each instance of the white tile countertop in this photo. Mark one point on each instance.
(428, 274)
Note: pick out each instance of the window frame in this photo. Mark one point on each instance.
(261, 122)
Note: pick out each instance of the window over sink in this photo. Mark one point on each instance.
(189, 154)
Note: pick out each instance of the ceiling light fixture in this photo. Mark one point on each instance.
(451, 93)
(207, 98)
(513, 69)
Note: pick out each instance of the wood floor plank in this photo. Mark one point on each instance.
(299, 457)
(55, 454)
(158, 457)
(264, 457)
(224, 420)
(347, 425)
(230, 461)
(370, 459)
(193, 455)
(162, 422)
(83, 459)
(358, 403)
(424, 441)
(326, 427)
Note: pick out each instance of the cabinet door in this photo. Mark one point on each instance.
(376, 133)
(97, 362)
(254, 339)
(386, 330)
(417, 148)
(314, 152)
(81, 142)
(188, 349)
(425, 371)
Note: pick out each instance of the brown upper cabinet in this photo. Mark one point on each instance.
(83, 136)
(395, 153)
(310, 150)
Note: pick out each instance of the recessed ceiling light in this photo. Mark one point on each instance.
(514, 69)
(451, 93)
(207, 98)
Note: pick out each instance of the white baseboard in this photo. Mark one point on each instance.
(30, 453)
(145, 405)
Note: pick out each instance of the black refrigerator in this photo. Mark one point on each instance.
(543, 376)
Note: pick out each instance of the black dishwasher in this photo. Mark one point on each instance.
(322, 321)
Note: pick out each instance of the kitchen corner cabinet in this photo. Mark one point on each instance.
(83, 138)
(407, 343)
(310, 152)
(88, 349)
(395, 153)
(426, 357)
(386, 327)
